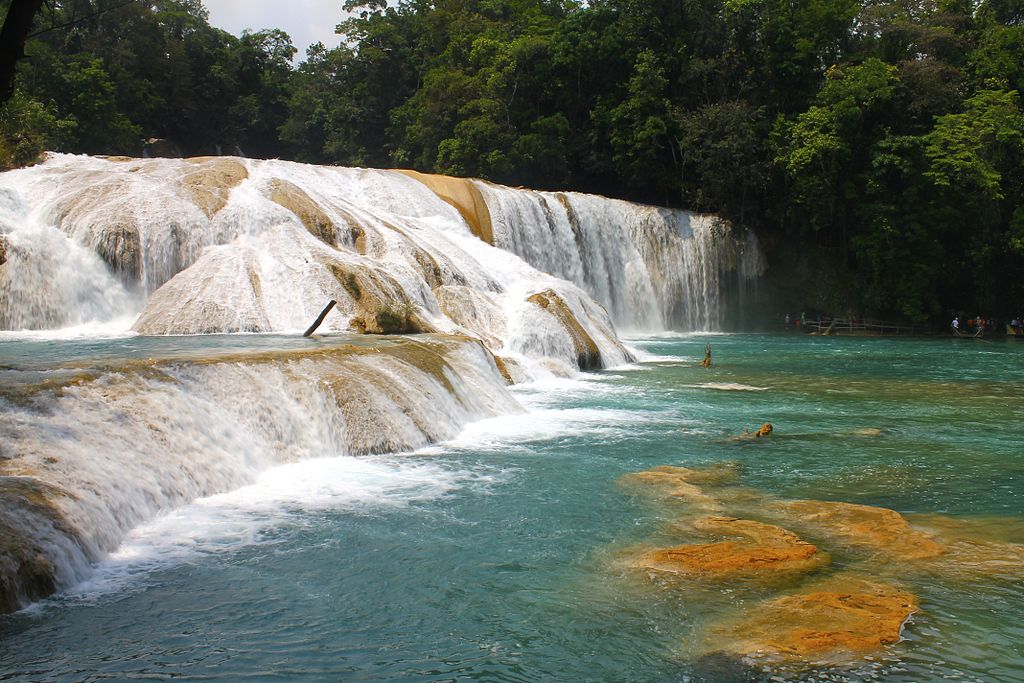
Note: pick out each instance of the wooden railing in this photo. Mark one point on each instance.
(850, 325)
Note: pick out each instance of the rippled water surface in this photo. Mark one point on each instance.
(493, 557)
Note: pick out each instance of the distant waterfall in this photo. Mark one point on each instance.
(246, 245)
(652, 268)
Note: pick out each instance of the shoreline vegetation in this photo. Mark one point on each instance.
(876, 149)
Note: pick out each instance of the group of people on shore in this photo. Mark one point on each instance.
(981, 326)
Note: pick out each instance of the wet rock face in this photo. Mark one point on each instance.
(3, 250)
(120, 246)
(588, 356)
(211, 183)
(298, 202)
(465, 196)
(30, 524)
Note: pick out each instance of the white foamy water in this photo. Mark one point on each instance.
(110, 450)
(726, 386)
(280, 501)
(653, 269)
(226, 245)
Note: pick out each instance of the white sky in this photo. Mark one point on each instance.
(306, 21)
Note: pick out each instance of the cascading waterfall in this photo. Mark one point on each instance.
(516, 285)
(89, 454)
(653, 269)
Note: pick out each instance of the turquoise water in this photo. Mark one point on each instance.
(493, 557)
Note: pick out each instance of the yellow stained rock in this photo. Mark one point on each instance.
(837, 618)
(863, 526)
(588, 356)
(211, 183)
(465, 196)
(771, 550)
(293, 198)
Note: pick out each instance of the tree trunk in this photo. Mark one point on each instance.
(12, 42)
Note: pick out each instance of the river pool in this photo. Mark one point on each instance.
(497, 556)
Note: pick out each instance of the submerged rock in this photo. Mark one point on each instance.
(862, 526)
(770, 551)
(838, 619)
(681, 483)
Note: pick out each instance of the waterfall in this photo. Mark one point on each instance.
(503, 286)
(89, 454)
(228, 245)
(653, 269)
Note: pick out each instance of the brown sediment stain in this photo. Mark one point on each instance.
(27, 573)
(502, 367)
(210, 185)
(862, 526)
(426, 357)
(588, 356)
(836, 619)
(309, 213)
(770, 551)
(119, 244)
(465, 196)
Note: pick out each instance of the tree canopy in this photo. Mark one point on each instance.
(875, 146)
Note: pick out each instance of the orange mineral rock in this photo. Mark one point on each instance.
(840, 617)
(684, 483)
(770, 551)
(863, 526)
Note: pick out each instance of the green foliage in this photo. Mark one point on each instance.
(970, 150)
(399, 319)
(27, 129)
(881, 139)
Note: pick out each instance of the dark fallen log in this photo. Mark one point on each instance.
(320, 318)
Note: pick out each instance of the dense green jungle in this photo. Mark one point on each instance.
(876, 147)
